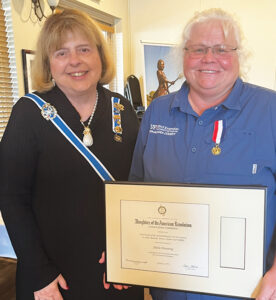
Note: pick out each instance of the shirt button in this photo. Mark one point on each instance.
(194, 149)
(216, 107)
(200, 122)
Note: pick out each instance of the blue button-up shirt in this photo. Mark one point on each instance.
(175, 145)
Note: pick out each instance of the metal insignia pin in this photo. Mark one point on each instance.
(48, 111)
(118, 129)
(216, 150)
(119, 106)
(117, 138)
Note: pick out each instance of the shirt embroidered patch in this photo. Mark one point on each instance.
(160, 129)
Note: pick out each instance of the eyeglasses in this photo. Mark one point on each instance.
(198, 51)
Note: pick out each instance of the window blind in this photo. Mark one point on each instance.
(8, 73)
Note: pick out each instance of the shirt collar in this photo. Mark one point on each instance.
(233, 99)
(180, 99)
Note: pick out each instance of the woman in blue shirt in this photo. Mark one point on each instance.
(244, 152)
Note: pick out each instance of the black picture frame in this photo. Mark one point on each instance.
(27, 59)
(153, 219)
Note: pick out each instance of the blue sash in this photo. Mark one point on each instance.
(47, 110)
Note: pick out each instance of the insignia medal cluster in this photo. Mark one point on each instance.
(218, 134)
(48, 111)
(116, 119)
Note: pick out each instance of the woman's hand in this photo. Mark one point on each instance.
(51, 291)
(268, 287)
(107, 285)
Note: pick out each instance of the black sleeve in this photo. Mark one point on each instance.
(19, 153)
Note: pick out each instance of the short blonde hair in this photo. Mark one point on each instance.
(228, 23)
(53, 35)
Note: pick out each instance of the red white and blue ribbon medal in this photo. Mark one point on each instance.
(219, 128)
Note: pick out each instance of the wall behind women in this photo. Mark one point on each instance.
(26, 27)
(162, 21)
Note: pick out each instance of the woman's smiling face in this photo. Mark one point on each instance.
(209, 75)
(76, 67)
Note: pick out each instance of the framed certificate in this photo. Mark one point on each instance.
(197, 238)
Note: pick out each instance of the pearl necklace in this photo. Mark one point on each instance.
(87, 134)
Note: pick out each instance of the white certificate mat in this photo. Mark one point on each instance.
(206, 239)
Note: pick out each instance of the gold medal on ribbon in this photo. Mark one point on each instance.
(119, 106)
(117, 138)
(216, 150)
(218, 133)
(118, 129)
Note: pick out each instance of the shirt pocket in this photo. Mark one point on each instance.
(237, 155)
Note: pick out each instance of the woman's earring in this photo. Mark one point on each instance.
(54, 82)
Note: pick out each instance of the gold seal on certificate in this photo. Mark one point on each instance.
(162, 210)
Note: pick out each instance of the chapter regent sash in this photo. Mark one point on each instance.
(49, 113)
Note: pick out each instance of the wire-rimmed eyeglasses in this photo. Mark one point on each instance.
(198, 51)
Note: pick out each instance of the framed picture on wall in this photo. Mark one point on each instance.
(163, 72)
(27, 61)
